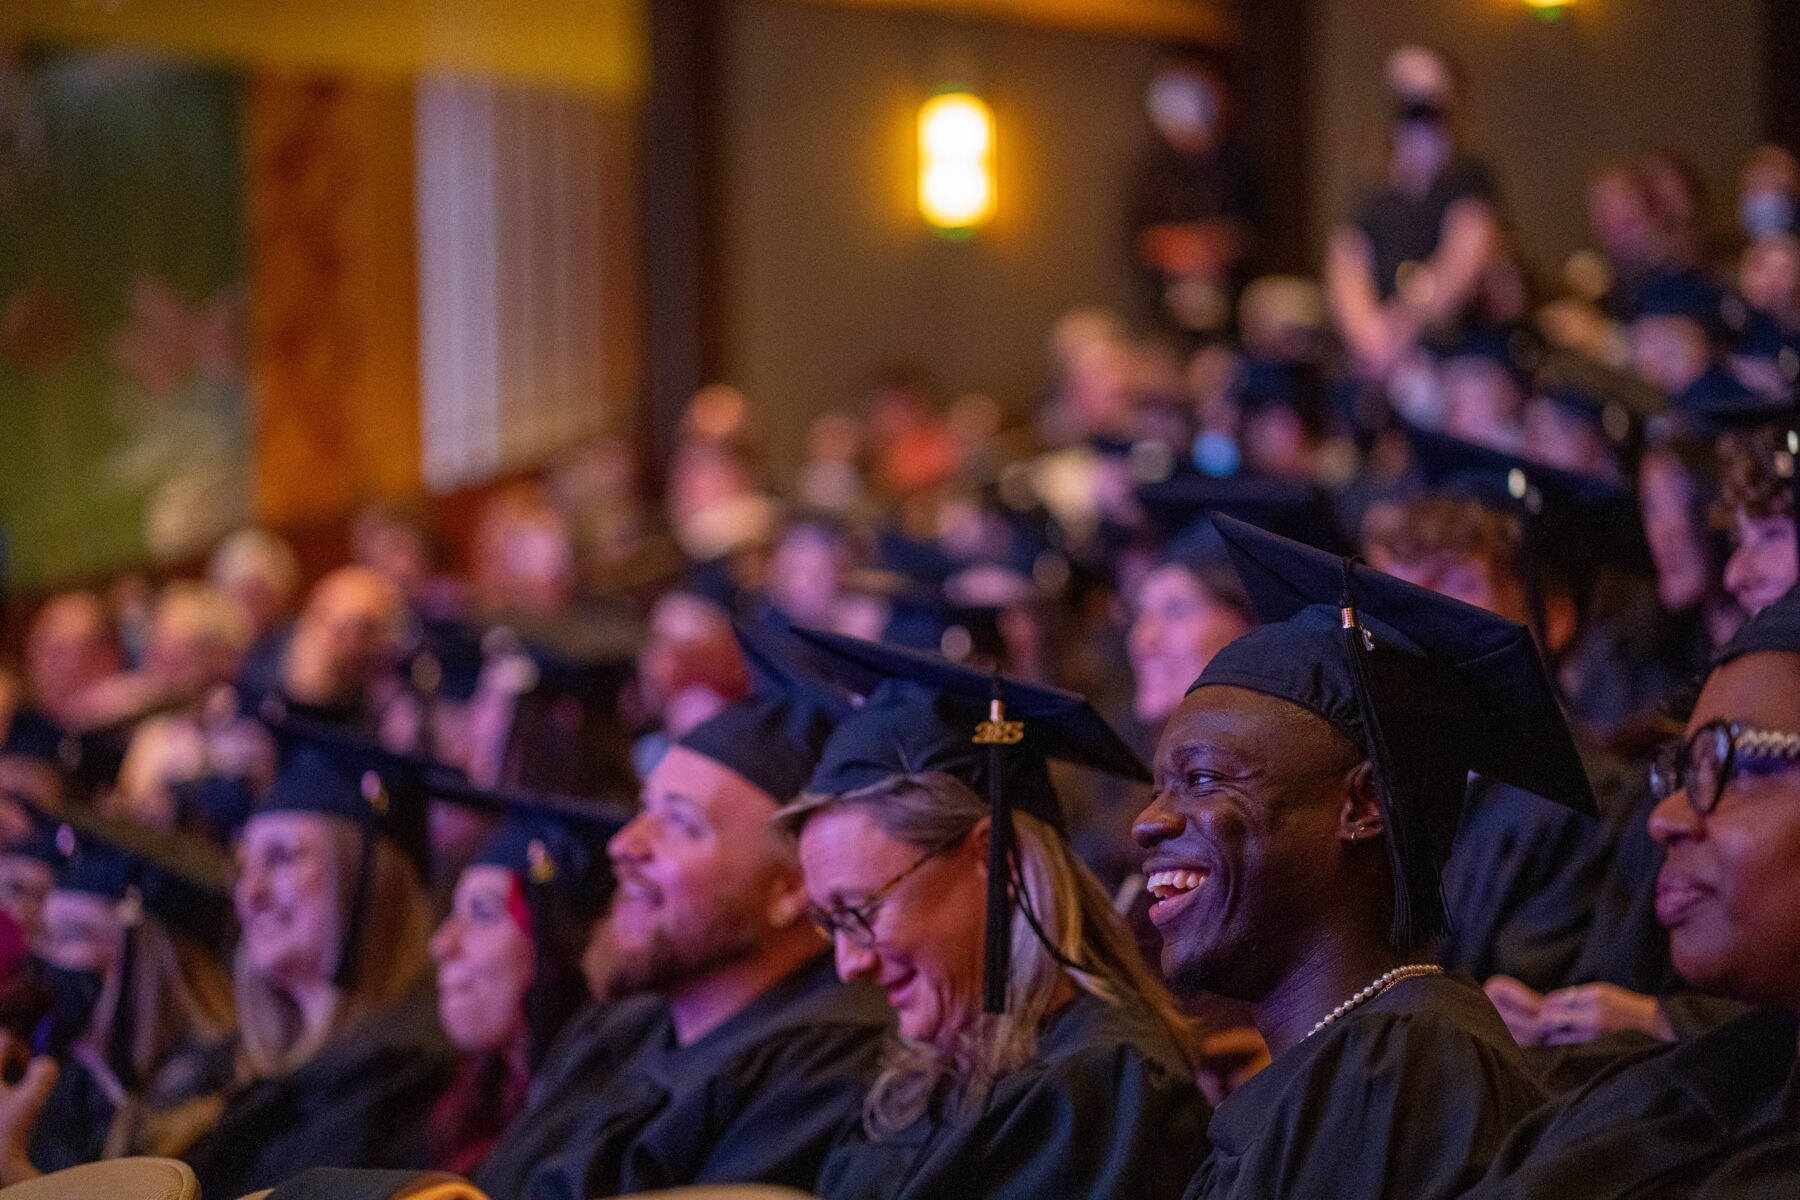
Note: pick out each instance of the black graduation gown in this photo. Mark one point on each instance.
(1518, 886)
(1715, 1116)
(1409, 1094)
(579, 1061)
(760, 1099)
(175, 1108)
(1109, 1108)
(362, 1101)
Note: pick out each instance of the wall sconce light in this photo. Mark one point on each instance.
(1550, 10)
(956, 162)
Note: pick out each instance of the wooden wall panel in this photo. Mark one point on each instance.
(335, 365)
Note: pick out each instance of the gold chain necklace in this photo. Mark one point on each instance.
(1381, 984)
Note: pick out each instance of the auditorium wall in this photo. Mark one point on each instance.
(828, 271)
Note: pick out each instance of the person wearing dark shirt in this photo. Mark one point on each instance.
(1307, 792)
(1414, 254)
(1196, 202)
(1717, 1115)
(1036, 1054)
(727, 1053)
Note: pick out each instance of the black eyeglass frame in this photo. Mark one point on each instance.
(857, 922)
(1678, 765)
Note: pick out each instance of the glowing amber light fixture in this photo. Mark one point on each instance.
(1549, 10)
(956, 162)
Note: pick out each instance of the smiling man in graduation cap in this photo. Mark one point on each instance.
(1036, 1053)
(1307, 792)
(726, 1052)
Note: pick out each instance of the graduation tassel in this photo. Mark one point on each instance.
(375, 796)
(1413, 897)
(124, 1023)
(999, 908)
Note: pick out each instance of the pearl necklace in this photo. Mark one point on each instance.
(1381, 984)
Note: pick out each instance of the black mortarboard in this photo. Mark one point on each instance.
(920, 619)
(926, 714)
(448, 660)
(1515, 348)
(1613, 400)
(773, 736)
(1691, 294)
(413, 779)
(1292, 508)
(179, 879)
(336, 772)
(1428, 687)
(1774, 629)
(356, 782)
(1577, 523)
(1745, 410)
(1262, 382)
(214, 805)
(33, 735)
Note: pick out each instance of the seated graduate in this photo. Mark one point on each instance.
(726, 1050)
(340, 1058)
(1036, 1053)
(138, 1044)
(1307, 792)
(509, 973)
(1718, 1114)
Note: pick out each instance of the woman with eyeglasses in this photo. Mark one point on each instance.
(1082, 1086)
(1718, 1114)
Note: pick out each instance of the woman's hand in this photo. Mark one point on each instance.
(1581, 1014)
(1519, 1006)
(20, 1104)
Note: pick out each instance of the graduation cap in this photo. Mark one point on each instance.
(1576, 523)
(33, 735)
(181, 880)
(447, 661)
(1746, 410)
(414, 778)
(924, 713)
(335, 772)
(1429, 688)
(1515, 348)
(1295, 509)
(773, 736)
(921, 620)
(178, 879)
(1693, 295)
(1615, 402)
(214, 805)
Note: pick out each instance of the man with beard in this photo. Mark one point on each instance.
(1308, 789)
(726, 1050)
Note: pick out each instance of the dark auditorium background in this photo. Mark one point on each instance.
(755, 221)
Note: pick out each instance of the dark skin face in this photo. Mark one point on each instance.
(1729, 890)
(1275, 814)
